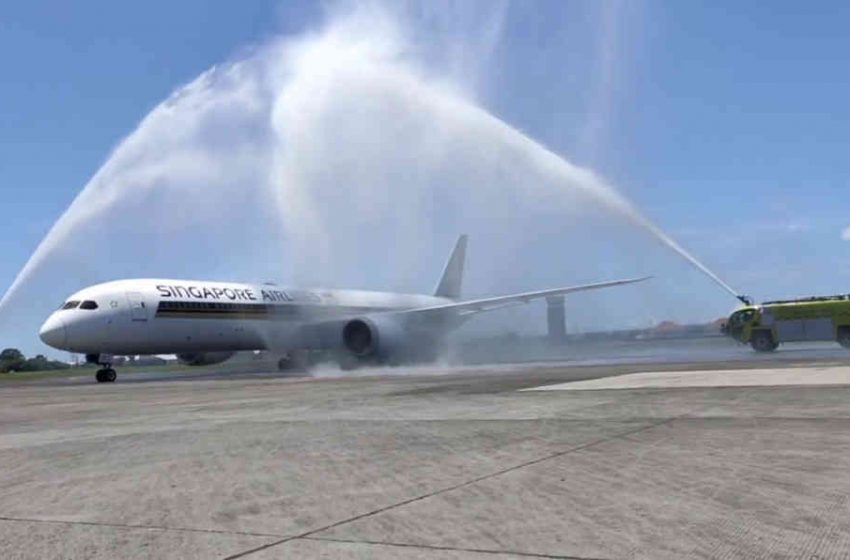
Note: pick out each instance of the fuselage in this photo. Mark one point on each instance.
(162, 316)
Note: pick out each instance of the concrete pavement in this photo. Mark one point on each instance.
(432, 464)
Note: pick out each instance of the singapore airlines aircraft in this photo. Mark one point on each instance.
(207, 322)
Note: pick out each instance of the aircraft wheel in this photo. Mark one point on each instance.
(347, 362)
(110, 375)
(295, 363)
(100, 376)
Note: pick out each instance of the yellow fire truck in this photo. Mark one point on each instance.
(765, 326)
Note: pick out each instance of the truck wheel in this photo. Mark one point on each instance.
(844, 337)
(762, 341)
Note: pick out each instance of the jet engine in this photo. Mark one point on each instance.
(368, 337)
(204, 358)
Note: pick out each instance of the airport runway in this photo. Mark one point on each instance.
(432, 464)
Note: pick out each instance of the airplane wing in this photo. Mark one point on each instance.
(470, 307)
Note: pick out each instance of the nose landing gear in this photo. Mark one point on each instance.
(105, 374)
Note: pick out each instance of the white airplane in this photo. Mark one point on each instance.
(207, 322)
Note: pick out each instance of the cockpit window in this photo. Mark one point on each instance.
(70, 305)
(88, 304)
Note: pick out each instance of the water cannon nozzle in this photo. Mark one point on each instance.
(746, 300)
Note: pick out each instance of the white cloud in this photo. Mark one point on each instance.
(845, 235)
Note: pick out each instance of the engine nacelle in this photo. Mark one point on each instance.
(367, 337)
(203, 358)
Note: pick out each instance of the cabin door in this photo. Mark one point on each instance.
(138, 310)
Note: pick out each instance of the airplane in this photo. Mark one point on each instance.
(205, 322)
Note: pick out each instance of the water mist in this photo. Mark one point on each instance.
(316, 154)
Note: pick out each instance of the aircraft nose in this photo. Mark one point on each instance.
(53, 332)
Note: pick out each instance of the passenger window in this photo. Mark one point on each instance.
(88, 304)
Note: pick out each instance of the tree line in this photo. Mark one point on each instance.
(12, 359)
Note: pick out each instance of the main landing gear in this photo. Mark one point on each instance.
(297, 363)
(105, 374)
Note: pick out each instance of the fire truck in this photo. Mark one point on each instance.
(767, 325)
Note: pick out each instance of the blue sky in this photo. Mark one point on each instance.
(726, 122)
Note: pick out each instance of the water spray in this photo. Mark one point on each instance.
(672, 244)
(269, 126)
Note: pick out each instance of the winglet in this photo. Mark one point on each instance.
(452, 279)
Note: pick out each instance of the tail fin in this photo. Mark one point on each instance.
(450, 283)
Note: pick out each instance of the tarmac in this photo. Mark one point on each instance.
(751, 460)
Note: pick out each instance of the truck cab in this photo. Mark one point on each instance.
(746, 326)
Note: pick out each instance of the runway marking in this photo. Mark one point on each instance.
(454, 548)
(766, 377)
(447, 489)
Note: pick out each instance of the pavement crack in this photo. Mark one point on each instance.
(454, 548)
(142, 527)
(444, 490)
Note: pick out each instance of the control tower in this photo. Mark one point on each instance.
(556, 319)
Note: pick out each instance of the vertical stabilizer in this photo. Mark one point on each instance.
(450, 283)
